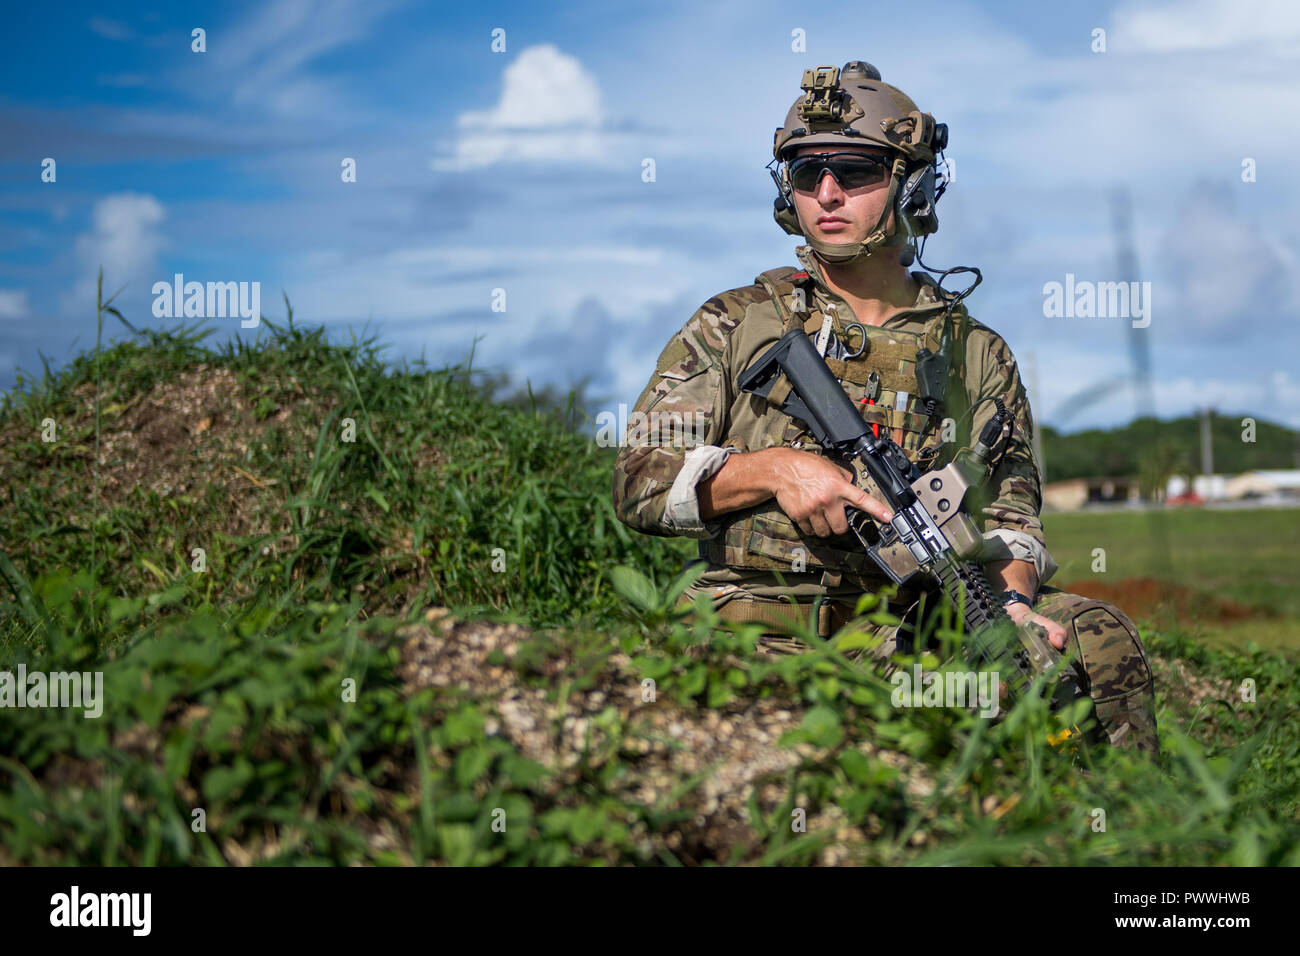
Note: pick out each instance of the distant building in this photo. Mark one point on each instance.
(1205, 487)
(1076, 493)
(1274, 484)
(1265, 483)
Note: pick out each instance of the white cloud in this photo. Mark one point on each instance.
(543, 87)
(1048, 117)
(263, 59)
(1188, 25)
(109, 29)
(1252, 270)
(549, 109)
(1273, 396)
(411, 283)
(124, 240)
(13, 304)
(466, 257)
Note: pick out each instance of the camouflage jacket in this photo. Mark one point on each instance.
(692, 416)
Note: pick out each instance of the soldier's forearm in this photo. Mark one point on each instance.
(1013, 575)
(744, 481)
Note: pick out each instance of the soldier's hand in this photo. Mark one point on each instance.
(814, 492)
(1022, 614)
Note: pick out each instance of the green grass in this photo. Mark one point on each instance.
(1244, 556)
(230, 690)
(411, 511)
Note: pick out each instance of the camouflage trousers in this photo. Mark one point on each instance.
(1111, 660)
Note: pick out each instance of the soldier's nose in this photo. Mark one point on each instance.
(827, 186)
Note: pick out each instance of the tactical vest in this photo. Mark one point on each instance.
(764, 537)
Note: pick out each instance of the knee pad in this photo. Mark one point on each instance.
(1114, 664)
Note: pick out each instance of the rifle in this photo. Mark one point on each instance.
(931, 539)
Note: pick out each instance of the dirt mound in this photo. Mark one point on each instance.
(195, 440)
(734, 749)
(189, 437)
(1163, 603)
(195, 433)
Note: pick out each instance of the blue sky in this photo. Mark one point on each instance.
(521, 170)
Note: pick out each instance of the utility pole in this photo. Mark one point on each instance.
(1207, 442)
(1147, 433)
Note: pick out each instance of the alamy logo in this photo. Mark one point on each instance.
(669, 429)
(1098, 300)
(103, 909)
(55, 689)
(921, 688)
(216, 300)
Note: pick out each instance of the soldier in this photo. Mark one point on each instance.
(858, 180)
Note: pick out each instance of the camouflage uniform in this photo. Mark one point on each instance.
(692, 416)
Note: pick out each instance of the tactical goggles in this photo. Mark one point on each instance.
(851, 170)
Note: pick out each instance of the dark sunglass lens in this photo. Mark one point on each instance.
(852, 172)
(855, 173)
(807, 173)
(804, 174)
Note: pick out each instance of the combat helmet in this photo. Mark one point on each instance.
(853, 106)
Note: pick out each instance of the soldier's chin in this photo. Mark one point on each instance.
(837, 238)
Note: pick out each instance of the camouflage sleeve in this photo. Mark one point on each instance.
(1007, 507)
(673, 433)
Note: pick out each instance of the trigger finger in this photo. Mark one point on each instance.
(877, 509)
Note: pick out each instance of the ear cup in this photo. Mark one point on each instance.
(916, 200)
(783, 210)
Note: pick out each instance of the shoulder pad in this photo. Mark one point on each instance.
(975, 325)
(783, 274)
(726, 309)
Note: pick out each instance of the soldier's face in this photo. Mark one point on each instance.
(836, 215)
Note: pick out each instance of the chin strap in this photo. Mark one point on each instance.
(839, 254)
